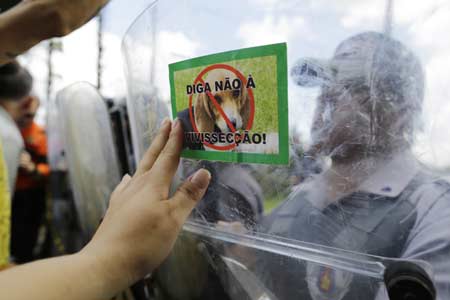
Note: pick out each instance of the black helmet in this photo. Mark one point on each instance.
(15, 81)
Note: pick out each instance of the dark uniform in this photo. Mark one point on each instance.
(400, 212)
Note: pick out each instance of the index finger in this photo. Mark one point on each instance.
(155, 148)
(166, 164)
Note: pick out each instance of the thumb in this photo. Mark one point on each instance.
(189, 193)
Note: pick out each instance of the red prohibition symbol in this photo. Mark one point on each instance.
(242, 78)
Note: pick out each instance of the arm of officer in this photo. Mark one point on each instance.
(33, 21)
(429, 240)
(136, 235)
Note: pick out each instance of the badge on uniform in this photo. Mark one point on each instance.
(327, 283)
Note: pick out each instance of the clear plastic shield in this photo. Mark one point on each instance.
(364, 203)
(90, 153)
(64, 218)
(56, 150)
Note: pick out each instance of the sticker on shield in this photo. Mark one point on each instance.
(233, 105)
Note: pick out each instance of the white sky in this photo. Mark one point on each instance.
(312, 28)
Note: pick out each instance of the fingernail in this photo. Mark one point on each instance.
(175, 123)
(201, 178)
(165, 122)
(126, 178)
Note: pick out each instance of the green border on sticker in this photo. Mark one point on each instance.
(280, 51)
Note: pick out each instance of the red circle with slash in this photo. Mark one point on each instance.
(242, 78)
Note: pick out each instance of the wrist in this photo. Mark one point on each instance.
(106, 270)
(99, 270)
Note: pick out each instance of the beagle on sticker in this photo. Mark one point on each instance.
(230, 100)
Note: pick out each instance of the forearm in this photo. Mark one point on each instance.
(75, 13)
(33, 21)
(68, 277)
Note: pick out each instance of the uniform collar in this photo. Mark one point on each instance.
(392, 177)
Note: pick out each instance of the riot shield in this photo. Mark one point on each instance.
(89, 150)
(64, 227)
(360, 210)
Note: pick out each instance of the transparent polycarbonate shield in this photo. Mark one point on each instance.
(90, 152)
(56, 151)
(361, 210)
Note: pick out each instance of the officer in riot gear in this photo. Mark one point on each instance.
(374, 198)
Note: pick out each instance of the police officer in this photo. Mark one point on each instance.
(375, 198)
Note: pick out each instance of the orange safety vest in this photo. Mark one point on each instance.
(36, 144)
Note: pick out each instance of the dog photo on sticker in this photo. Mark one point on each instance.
(233, 105)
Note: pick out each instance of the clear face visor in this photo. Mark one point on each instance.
(374, 102)
(365, 125)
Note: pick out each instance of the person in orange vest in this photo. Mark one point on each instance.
(15, 86)
(28, 206)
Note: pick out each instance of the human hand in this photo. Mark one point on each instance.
(26, 163)
(141, 223)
